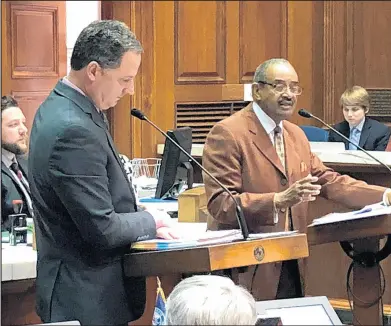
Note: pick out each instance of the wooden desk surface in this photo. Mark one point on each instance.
(216, 257)
(350, 230)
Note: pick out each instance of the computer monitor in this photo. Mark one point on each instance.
(176, 169)
(299, 311)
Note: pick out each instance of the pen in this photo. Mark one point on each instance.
(364, 210)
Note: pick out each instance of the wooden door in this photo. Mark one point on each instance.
(33, 51)
(33, 59)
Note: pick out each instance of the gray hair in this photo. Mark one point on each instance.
(210, 300)
(104, 41)
(260, 73)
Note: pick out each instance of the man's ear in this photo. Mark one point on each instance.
(366, 110)
(255, 92)
(93, 69)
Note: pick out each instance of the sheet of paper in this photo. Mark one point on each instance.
(201, 239)
(370, 211)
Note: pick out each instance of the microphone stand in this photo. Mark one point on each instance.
(368, 259)
(239, 212)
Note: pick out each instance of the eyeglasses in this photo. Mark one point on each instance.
(281, 87)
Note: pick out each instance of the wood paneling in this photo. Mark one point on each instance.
(29, 101)
(371, 45)
(33, 51)
(18, 303)
(261, 34)
(200, 41)
(43, 38)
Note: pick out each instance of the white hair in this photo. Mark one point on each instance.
(210, 300)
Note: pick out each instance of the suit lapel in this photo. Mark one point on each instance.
(261, 139)
(290, 151)
(365, 132)
(8, 172)
(22, 165)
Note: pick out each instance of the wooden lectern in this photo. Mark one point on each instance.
(365, 235)
(226, 256)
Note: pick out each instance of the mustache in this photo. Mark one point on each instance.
(286, 101)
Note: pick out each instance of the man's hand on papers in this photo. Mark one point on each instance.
(167, 233)
(164, 229)
(301, 191)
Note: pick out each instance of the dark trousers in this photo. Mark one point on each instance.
(289, 285)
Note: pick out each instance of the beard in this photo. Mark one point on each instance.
(14, 148)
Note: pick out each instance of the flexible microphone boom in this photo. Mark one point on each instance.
(239, 212)
(305, 114)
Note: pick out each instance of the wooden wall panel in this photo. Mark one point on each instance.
(371, 45)
(200, 39)
(33, 51)
(29, 101)
(262, 35)
(43, 38)
(332, 45)
(334, 59)
(299, 51)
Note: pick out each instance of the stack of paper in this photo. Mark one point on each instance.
(366, 212)
(206, 238)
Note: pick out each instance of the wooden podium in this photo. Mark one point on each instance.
(365, 235)
(230, 257)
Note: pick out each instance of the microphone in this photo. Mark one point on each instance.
(305, 114)
(239, 212)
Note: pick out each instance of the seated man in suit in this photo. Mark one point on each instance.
(267, 164)
(14, 141)
(210, 300)
(368, 133)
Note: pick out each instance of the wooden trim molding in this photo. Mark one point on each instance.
(329, 61)
(343, 304)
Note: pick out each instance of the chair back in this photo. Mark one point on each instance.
(315, 133)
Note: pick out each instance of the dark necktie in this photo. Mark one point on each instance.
(15, 167)
(18, 172)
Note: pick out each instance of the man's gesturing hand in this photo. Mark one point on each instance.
(301, 191)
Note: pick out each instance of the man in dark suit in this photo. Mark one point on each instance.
(14, 141)
(368, 133)
(86, 211)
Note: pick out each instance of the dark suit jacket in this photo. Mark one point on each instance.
(86, 216)
(10, 190)
(240, 154)
(374, 135)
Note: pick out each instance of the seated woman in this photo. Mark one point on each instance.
(368, 133)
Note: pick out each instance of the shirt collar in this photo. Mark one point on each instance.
(359, 126)
(267, 123)
(67, 82)
(7, 157)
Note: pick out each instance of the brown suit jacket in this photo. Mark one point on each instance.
(239, 153)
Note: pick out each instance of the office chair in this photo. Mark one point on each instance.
(315, 133)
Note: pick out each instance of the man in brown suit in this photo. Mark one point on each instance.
(267, 164)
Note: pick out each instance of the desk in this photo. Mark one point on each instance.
(18, 272)
(330, 257)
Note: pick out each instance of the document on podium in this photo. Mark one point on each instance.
(370, 211)
(203, 239)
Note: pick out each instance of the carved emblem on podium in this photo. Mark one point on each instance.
(259, 253)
